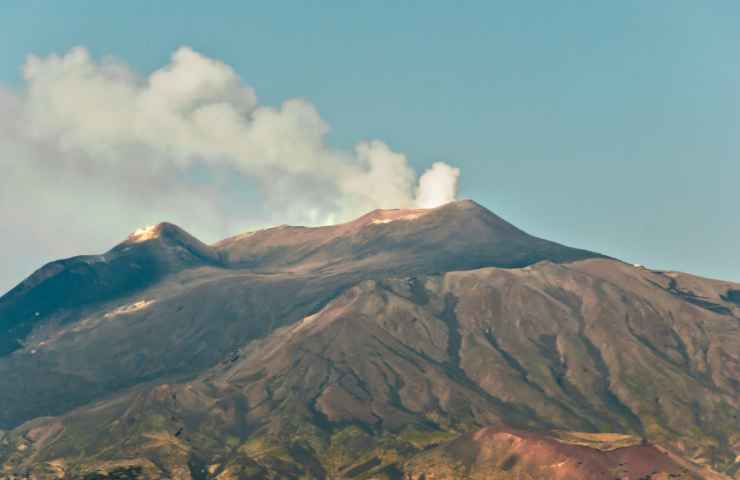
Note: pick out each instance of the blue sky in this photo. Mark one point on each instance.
(611, 126)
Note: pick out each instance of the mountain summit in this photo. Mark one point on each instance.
(420, 343)
(458, 235)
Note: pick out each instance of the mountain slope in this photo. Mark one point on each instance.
(375, 349)
(163, 304)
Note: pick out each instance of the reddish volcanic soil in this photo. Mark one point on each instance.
(503, 453)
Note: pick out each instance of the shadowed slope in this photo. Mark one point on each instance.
(145, 257)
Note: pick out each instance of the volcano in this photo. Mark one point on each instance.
(417, 344)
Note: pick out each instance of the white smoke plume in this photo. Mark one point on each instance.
(92, 146)
(198, 109)
(437, 186)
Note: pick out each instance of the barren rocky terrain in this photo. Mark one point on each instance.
(418, 344)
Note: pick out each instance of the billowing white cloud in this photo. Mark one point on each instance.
(437, 186)
(91, 139)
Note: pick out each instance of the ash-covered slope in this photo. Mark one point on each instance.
(349, 351)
